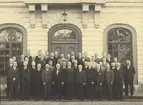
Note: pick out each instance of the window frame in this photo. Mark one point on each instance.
(134, 42)
(24, 37)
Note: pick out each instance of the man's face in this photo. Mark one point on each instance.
(69, 65)
(25, 64)
(52, 55)
(98, 67)
(64, 64)
(15, 64)
(58, 66)
(39, 66)
(22, 56)
(33, 64)
(56, 53)
(14, 58)
(80, 67)
(47, 66)
(40, 52)
(50, 63)
(128, 63)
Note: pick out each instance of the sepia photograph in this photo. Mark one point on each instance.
(71, 52)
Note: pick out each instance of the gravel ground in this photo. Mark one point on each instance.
(105, 102)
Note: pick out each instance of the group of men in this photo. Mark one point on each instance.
(53, 76)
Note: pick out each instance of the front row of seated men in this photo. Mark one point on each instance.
(67, 82)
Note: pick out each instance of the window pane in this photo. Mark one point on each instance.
(4, 36)
(16, 52)
(119, 35)
(2, 46)
(2, 66)
(64, 34)
(2, 59)
(125, 55)
(2, 53)
(113, 54)
(125, 47)
(16, 46)
(112, 46)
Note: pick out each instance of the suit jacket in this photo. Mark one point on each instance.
(109, 76)
(70, 76)
(13, 74)
(129, 73)
(118, 76)
(91, 75)
(46, 76)
(25, 74)
(58, 78)
(99, 76)
(81, 77)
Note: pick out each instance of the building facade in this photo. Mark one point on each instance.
(92, 26)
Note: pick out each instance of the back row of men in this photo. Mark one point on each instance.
(57, 77)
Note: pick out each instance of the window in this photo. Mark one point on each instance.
(64, 34)
(120, 43)
(11, 43)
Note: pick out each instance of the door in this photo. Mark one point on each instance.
(64, 38)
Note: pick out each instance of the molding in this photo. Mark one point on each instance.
(32, 19)
(44, 9)
(63, 1)
(84, 19)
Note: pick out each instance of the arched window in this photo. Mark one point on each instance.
(120, 42)
(12, 38)
(64, 38)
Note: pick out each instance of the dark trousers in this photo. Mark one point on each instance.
(127, 85)
(47, 90)
(25, 89)
(119, 91)
(13, 88)
(98, 91)
(58, 90)
(109, 91)
(69, 90)
(80, 90)
(90, 91)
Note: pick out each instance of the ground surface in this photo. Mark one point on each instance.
(74, 102)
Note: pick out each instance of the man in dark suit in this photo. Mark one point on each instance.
(9, 68)
(99, 82)
(109, 79)
(118, 82)
(38, 82)
(38, 57)
(129, 72)
(81, 81)
(70, 81)
(25, 79)
(13, 76)
(46, 79)
(90, 82)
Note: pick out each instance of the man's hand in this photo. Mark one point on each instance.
(62, 83)
(83, 83)
(111, 82)
(44, 83)
(14, 79)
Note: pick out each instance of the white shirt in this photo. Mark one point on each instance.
(57, 72)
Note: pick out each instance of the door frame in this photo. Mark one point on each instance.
(67, 26)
